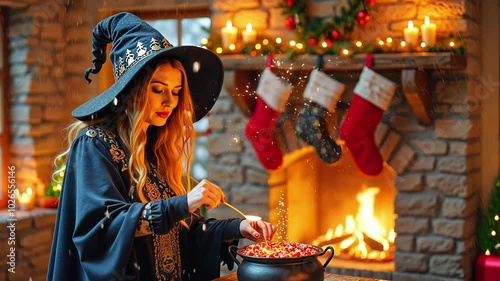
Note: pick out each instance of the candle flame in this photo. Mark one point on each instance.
(229, 24)
(410, 24)
(29, 192)
(249, 27)
(427, 21)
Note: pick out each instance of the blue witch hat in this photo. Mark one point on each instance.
(135, 45)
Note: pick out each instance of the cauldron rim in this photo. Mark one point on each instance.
(266, 260)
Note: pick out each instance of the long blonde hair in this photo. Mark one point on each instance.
(171, 144)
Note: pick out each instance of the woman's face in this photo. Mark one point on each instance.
(162, 94)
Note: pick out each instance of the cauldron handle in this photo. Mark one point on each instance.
(232, 252)
(329, 257)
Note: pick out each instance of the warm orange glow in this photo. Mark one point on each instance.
(361, 236)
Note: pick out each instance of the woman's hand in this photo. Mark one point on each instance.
(257, 230)
(205, 193)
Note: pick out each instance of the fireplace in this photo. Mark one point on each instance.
(316, 203)
(428, 186)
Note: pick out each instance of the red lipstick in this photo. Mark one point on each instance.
(163, 114)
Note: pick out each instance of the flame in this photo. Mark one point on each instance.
(361, 236)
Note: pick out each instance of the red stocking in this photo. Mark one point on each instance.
(272, 95)
(373, 94)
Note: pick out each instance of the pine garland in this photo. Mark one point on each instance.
(336, 30)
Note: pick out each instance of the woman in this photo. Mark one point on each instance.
(127, 210)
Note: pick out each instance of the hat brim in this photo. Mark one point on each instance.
(203, 68)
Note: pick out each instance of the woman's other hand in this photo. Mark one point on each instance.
(257, 230)
(205, 193)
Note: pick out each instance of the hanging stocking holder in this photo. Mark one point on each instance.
(415, 84)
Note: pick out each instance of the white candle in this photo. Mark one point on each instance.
(249, 35)
(429, 32)
(411, 34)
(26, 201)
(229, 33)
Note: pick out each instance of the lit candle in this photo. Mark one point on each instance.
(25, 200)
(411, 34)
(249, 35)
(229, 33)
(429, 32)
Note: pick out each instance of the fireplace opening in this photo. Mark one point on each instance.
(334, 204)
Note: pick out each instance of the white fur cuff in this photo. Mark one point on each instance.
(273, 90)
(375, 88)
(323, 89)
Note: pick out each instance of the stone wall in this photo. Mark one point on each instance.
(26, 238)
(37, 97)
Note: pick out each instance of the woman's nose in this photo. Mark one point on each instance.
(167, 98)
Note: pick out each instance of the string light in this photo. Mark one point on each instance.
(204, 41)
(493, 233)
(218, 50)
(423, 45)
(497, 218)
(359, 44)
(232, 47)
(278, 40)
(487, 252)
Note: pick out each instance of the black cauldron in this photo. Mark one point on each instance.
(307, 268)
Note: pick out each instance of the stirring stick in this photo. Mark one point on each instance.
(235, 209)
(250, 218)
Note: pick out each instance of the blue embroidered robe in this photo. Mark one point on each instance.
(97, 218)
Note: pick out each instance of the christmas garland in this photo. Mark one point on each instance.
(330, 35)
(334, 35)
(323, 35)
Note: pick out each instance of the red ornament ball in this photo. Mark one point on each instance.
(313, 41)
(328, 42)
(335, 35)
(291, 3)
(363, 17)
(290, 23)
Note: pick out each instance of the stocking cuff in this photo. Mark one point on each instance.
(375, 88)
(323, 89)
(273, 90)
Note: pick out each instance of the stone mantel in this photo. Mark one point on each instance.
(414, 69)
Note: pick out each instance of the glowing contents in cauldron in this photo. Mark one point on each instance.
(279, 250)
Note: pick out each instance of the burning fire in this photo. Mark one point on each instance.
(361, 237)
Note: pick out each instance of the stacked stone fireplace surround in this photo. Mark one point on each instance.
(438, 167)
(437, 174)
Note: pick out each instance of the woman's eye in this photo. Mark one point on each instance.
(157, 91)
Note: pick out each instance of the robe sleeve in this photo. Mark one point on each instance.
(208, 241)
